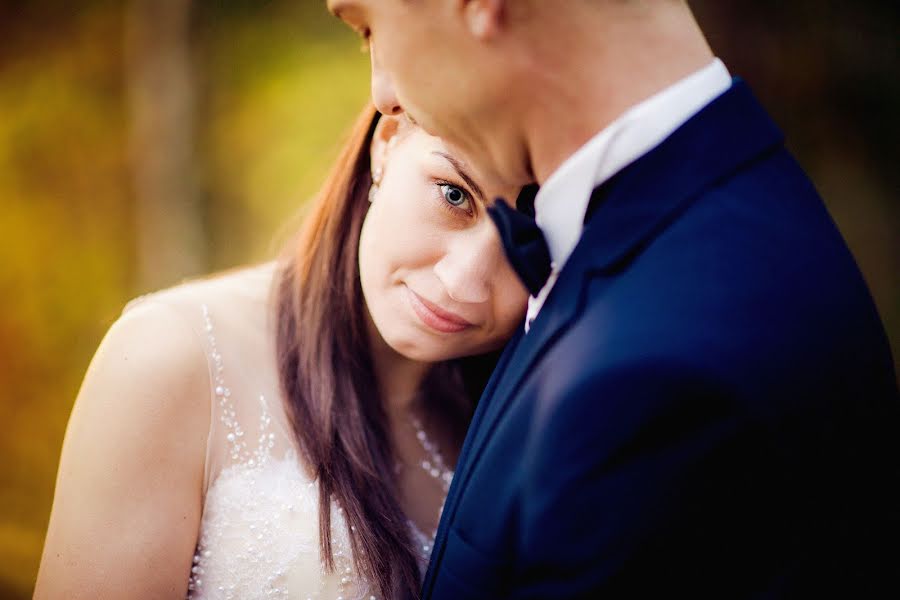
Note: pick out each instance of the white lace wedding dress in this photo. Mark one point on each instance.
(259, 530)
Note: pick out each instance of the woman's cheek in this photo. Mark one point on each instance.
(512, 301)
(420, 222)
(391, 243)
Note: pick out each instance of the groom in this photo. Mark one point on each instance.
(702, 400)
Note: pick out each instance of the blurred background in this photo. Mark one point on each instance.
(146, 141)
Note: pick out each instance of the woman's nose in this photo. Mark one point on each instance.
(470, 262)
(383, 94)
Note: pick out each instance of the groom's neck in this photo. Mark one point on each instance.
(588, 77)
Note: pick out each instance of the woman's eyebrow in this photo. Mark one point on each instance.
(462, 173)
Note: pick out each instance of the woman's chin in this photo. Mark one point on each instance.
(418, 351)
(422, 347)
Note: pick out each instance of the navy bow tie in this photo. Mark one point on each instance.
(523, 240)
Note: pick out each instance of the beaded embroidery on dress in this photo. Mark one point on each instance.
(259, 531)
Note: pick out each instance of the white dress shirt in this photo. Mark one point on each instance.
(562, 201)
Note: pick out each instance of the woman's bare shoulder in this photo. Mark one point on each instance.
(132, 460)
(155, 345)
(148, 383)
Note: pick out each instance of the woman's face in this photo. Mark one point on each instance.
(435, 279)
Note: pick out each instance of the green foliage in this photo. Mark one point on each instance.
(278, 85)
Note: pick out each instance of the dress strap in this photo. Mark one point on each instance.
(226, 413)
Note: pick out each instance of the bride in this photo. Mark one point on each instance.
(289, 430)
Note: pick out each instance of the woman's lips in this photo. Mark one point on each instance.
(434, 316)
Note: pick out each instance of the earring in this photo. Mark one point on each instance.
(377, 174)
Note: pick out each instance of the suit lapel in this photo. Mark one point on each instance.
(559, 311)
(453, 495)
(483, 409)
(522, 352)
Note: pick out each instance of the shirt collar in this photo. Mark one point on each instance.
(562, 201)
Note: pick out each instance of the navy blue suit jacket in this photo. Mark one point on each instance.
(705, 406)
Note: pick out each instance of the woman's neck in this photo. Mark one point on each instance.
(399, 378)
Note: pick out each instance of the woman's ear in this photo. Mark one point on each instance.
(385, 132)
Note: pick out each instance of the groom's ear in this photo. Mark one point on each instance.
(386, 130)
(484, 18)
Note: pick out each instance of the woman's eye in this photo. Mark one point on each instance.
(454, 195)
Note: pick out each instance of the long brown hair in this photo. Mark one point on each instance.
(329, 382)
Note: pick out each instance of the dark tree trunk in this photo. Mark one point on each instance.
(171, 240)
